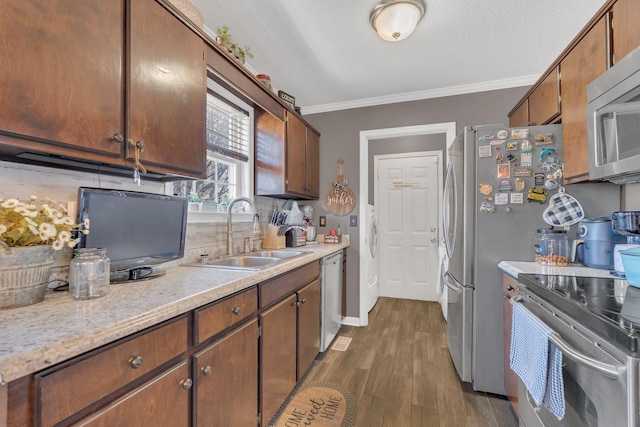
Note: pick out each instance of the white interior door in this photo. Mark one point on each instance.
(408, 198)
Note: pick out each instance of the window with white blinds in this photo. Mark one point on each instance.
(227, 128)
(229, 135)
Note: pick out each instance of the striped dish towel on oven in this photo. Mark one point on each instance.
(537, 361)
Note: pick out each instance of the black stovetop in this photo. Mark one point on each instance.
(608, 306)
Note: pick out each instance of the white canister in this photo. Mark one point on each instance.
(617, 259)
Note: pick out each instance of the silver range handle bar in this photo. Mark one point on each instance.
(605, 369)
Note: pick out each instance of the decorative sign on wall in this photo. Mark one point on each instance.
(340, 199)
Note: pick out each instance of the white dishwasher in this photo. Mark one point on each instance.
(331, 297)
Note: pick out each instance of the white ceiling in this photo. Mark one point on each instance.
(326, 54)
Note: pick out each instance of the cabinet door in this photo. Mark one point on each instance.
(586, 61)
(296, 155)
(312, 164)
(544, 101)
(61, 76)
(520, 116)
(308, 326)
(163, 401)
(626, 31)
(227, 380)
(509, 286)
(278, 362)
(167, 91)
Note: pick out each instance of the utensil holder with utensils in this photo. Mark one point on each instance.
(272, 239)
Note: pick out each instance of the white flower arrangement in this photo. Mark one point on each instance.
(24, 224)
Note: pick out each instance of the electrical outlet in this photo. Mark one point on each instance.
(353, 220)
(323, 221)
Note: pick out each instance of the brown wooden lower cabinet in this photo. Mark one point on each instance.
(163, 401)
(226, 380)
(278, 363)
(509, 288)
(202, 368)
(308, 326)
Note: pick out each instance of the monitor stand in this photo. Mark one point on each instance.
(135, 275)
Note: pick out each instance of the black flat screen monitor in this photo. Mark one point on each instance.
(137, 229)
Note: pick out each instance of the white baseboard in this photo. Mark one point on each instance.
(351, 321)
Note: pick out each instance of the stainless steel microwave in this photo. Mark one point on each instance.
(613, 119)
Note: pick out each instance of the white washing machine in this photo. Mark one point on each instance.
(371, 263)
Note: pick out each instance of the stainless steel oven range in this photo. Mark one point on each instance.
(599, 350)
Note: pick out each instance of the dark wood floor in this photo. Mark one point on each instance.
(400, 371)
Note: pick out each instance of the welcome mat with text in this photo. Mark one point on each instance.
(317, 405)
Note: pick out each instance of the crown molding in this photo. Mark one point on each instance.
(424, 94)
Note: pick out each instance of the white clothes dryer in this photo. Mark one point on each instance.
(371, 260)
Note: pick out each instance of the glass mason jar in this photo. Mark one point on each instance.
(89, 273)
(552, 247)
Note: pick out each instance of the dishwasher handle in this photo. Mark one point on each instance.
(609, 371)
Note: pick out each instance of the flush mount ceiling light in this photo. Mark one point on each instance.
(395, 20)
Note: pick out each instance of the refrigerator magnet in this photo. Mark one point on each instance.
(499, 158)
(487, 207)
(511, 158)
(522, 172)
(505, 185)
(511, 146)
(519, 184)
(544, 139)
(504, 170)
(485, 189)
(517, 198)
(496, 142)
(502, 199)
(484, 151)
(503, 134)
(526, 146)
(526, 159)
(519, 133)
(486, 138)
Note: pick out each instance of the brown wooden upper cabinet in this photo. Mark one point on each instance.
(286, 157)
(586, 61)
(610, 35)
(519, 116)
(66, 91)
(544, 101)
(625, 31)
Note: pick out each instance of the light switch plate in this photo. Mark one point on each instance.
(323, 221)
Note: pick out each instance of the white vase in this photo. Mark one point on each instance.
(24, 272)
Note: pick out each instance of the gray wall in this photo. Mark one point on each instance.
(340, 133)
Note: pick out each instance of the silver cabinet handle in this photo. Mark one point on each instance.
(136, 361)
(236, 311)
(609, 371)
(186, 384)
(206, 370)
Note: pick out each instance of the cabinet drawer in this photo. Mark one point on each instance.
(284, 285)
(219, 316)
(63, 391)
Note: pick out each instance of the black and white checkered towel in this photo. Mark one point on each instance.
(563, 210)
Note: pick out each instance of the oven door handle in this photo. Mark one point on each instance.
(609, 371)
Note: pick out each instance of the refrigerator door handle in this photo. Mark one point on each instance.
(450, 178)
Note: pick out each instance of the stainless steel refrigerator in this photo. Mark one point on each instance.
(492, 173)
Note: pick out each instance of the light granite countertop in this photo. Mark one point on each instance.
(38, 336)
(513, 268)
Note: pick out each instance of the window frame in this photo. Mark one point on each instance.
(244, 174)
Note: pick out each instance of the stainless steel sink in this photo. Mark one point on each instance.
(237, 262)
(277, 253)
(250, 261)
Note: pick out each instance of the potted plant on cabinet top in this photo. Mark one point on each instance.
(223, 37)
(28, 237)
(195, 201)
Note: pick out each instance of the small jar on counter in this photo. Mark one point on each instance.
(89, 273)
(552, 247)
